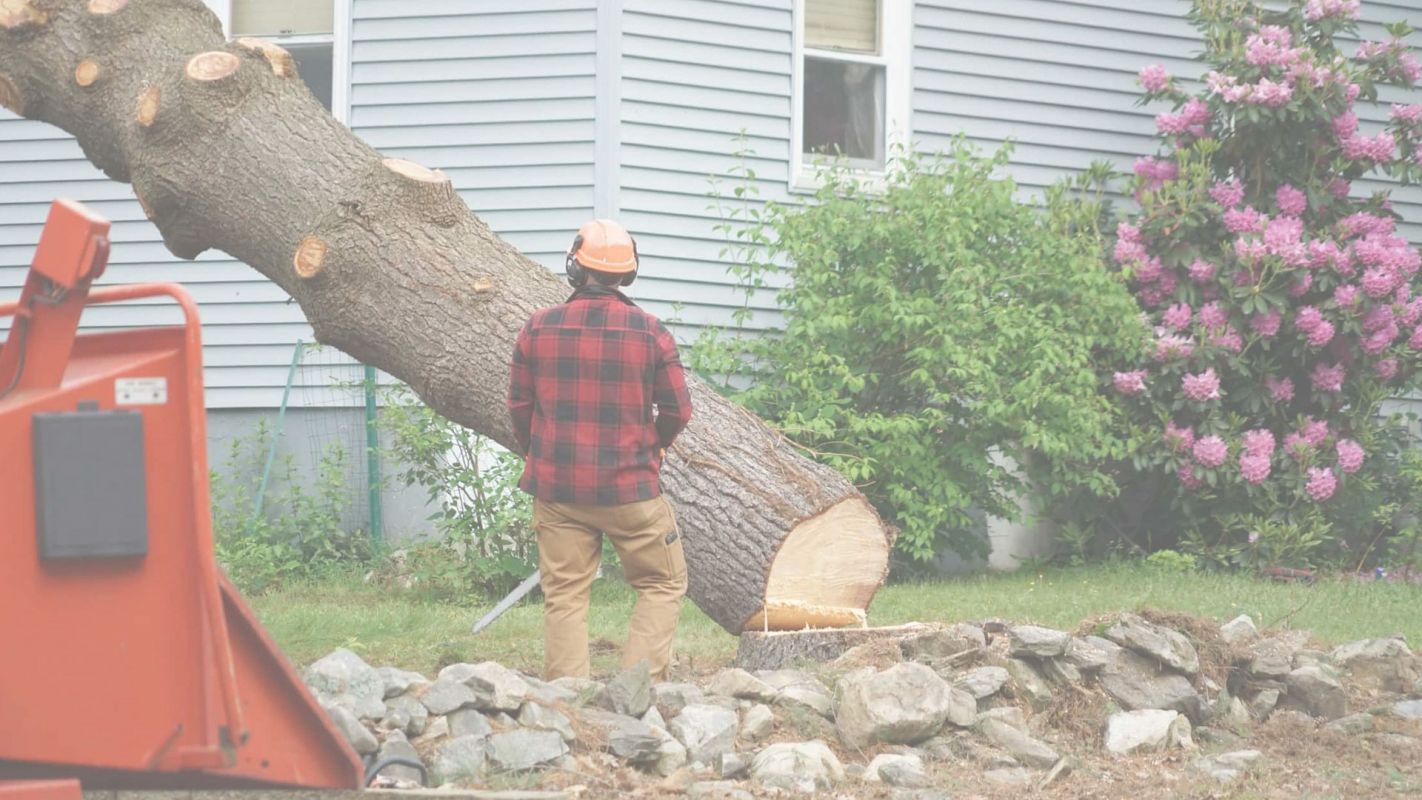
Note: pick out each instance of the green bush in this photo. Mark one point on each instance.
(484, 542)
(298, 533)
(934, 327)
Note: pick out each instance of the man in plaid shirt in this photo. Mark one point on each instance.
(597, 394)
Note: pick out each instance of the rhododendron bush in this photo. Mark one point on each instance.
(1284, 305)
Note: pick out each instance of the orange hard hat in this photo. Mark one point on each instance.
(605, 246)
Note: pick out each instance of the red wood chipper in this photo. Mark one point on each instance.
(127, 659)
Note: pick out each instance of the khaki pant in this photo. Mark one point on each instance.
(569, 550)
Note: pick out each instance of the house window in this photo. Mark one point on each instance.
(851, 82)
(306, 28)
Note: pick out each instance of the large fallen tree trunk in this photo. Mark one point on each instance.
(226, 149)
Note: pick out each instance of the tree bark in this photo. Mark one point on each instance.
(226, 149)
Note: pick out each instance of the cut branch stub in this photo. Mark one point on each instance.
(282, 64)
(104, 7)
(19, 13)
(214, 65)
(413, 171)
(87, 73)
(10, 96)
(310, 257)
(148, 103)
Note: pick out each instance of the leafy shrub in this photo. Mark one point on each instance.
(484, 542)
(934, 328)
(1282, 304)
(298, 533)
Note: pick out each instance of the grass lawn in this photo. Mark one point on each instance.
(309, 620)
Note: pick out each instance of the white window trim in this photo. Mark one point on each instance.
(340, 39)
(896, 45)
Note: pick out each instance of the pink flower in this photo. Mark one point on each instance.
(1201, 271)
(1229, 193)
(1291, 201)
(1345, 125)
(1340, 188)
(1322, 9)
(1243, 220)
(1172, 124)
(1321, 484)
(1350, 455)
(1127, 232)
(1415, 340)
(1177, 317)
(1353, 91)
(1301, 286)
(1327, 378)
(1296, 447)
(1386, 369)
(1187, 477)
(1202, 387)
(1266, 323)
(1154, 78)
(1378, 318)
(1130, 383)
(1315, 431)
(1212, 316)
(1259, 442)
(1346, 295)
(1254, 469)
(1411, 312)
(1308, 318)
(1210, 451)
(1228, 339)
(1172, 347)
(1281, 390)
(1379, 341)
(1196, 112)
(1321, 334)
(1379, 282)
(1179, 438)
(1149, 270)
(1129, 251)
(1408, 114)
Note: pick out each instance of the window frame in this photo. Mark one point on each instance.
(339, 39)
(895, 56)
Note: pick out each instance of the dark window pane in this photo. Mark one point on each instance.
(844, 110)
(313, 61)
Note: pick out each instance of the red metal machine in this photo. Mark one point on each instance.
(127, 660)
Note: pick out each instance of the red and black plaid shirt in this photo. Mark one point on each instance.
(596, 391)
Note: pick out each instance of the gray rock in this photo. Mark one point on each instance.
(940, 644)
(742, 685)
(654, 718)
(671, 755)
(798, 767)
(399, 681)
(343, 679)
(353, 730)
(542, 718)
(671, 698)
(1235, 712)
(905, 771)
(1314, 690)
(1408, 709)
(436, 730)
(630, 692)
(629, 739)
(406, 713)
(730, 766)
(1264, 703)
(1169, 647)
(1351, 725)
(757, 723)
(1312, 658)
(807, 698)
(1009, 777)
(1137, 683)
(1060, 672)
(1037, 642)
(1028, 684)
(468, 722)
(1228, 766)
(717, 790)
(1146, 730)
(497, 687)
(550, 694)
(523, 750)
(706, 731)
(1024, 748)
(444, 696)
(588, 693)
(397, 745)
(1090, 653)
(1011, 715)
(461, 759)
(983, 682)
(782, 679)
(904, 704)
(1216, 736)
(1383, 665)
(1270, 658)
(1239, 631)
(1417, 687)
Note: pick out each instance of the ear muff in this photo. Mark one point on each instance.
(637, 260)
(577, 276)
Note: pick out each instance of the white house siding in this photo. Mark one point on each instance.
(701, 80)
